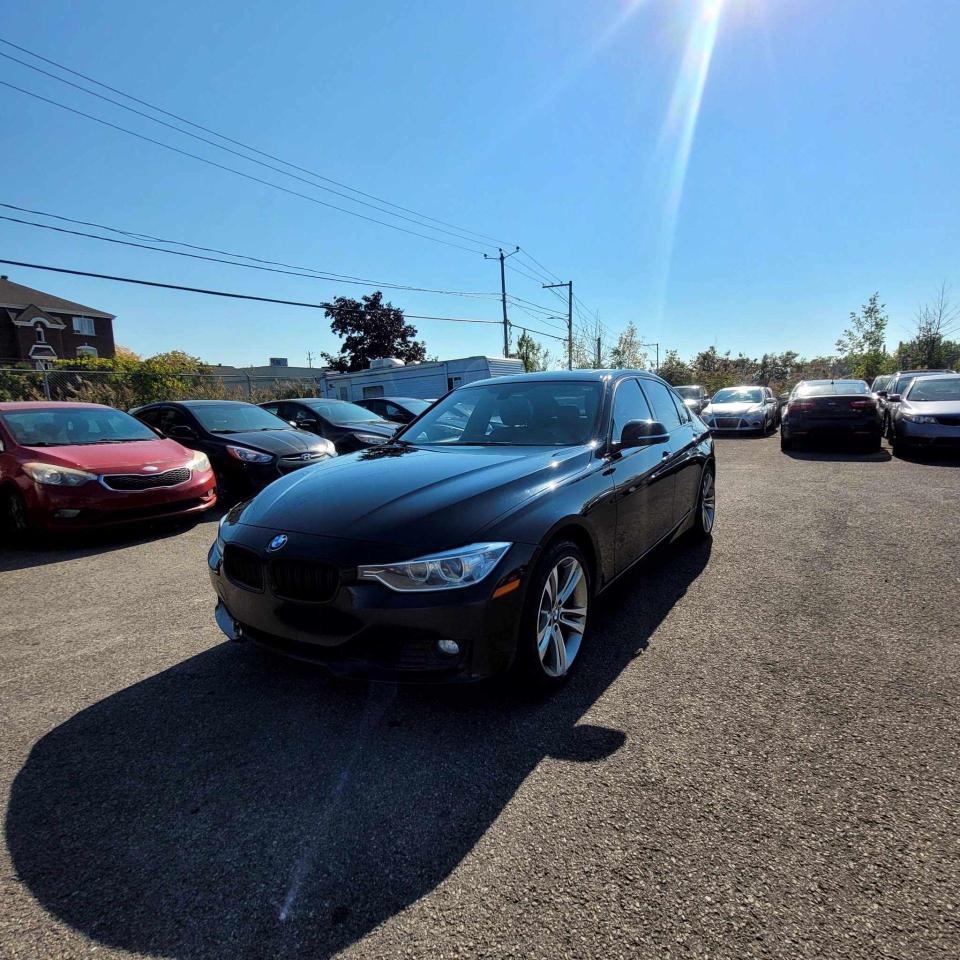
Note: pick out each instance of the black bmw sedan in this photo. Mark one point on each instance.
(477, 538)
(247, 447)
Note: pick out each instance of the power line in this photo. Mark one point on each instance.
(222, 136)
(214, 293)
(239, 173)
(517, 326)
(309, 274)
(236, 153)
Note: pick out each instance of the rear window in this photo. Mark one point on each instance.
(835, 388)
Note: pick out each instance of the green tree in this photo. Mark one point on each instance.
(930, 347)
(674, 370)
(628, 354)
(863, 346)
(370, 329)
(535, 358)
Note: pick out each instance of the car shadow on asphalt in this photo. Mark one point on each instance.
(39, 550)
(839, 453)
(238, 806)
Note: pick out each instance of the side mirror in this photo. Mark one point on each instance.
(882, 393)
(642, 433)
(182, 432)
(783, 397)
(893, 398)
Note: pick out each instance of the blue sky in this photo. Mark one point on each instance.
(821, 140)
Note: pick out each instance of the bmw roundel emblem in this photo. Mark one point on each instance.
(277, 543)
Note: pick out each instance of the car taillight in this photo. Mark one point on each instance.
(862, 405)
(797, 406)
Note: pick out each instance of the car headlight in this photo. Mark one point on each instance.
(449, 570)
(249, 456)
(199, 462)
(54, 476)
(919, 418)
(370, 438)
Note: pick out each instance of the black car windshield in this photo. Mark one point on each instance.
(234, 417)
(832, 388)
(528, 413)
(934, 390)
(739, 395)
(688, 393)
(72, 426)
(416, 407)
(342, 412)
(902, 383)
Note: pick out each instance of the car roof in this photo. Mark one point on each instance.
(400, 399)
(8, 406)
(569, 376)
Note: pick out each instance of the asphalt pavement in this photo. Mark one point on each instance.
(757, 758)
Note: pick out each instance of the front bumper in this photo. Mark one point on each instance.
(750, 423)
(928, 434)
(91, 505)
(366, 629)
(251, 478)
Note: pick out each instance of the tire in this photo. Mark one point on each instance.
(786, 443)
(15, 519)
(898, 447)
(706, 510)
(549, 643)
(875, 444)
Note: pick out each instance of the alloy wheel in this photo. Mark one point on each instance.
(708, 501)
(562, 617)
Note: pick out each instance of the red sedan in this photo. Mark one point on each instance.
(79, 465)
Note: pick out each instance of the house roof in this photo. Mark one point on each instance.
(18, 296)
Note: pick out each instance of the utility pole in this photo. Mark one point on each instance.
(569, 285)
(503, 296)
(599, 359)
(654, 343)
(309, 359)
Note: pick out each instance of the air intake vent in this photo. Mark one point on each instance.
(243, 567)
(304, 580)
(146, 481)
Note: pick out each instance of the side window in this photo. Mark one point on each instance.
(296, 413)
(662, 404)
(378, 407)
(684, 413)
(271, 408)
(629, 403)
(150, 417)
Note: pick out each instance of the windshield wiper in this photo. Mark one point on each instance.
(229, 431)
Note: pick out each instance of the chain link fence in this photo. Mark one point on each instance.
(126, 389)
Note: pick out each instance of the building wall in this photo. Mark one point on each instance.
(64, 342)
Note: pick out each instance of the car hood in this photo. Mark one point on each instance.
(731, 409)
(115, 457)
(424, 497)
(282, 443)
(379, 428)
(938, 408)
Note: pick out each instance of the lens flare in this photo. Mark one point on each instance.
(680, 127)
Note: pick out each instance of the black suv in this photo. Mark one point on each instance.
(347, 426)
(247, 447)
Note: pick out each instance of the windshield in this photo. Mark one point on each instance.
(518, 414)
(416, 407)
(234, 417)
(342, 412)
(739, 395)
(688, 393)
(831, 388)
(934, 390)
(74, 426)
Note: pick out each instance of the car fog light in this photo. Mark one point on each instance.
(449, 647)
(65, 514)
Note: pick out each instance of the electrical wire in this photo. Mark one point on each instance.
(215, 293)
(222, 136)
(239, 173)
(309, 273)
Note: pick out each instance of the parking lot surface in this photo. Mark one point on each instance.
(757, 756)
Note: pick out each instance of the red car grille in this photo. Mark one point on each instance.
(146, 481)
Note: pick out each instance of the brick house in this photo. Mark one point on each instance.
(39, 327)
